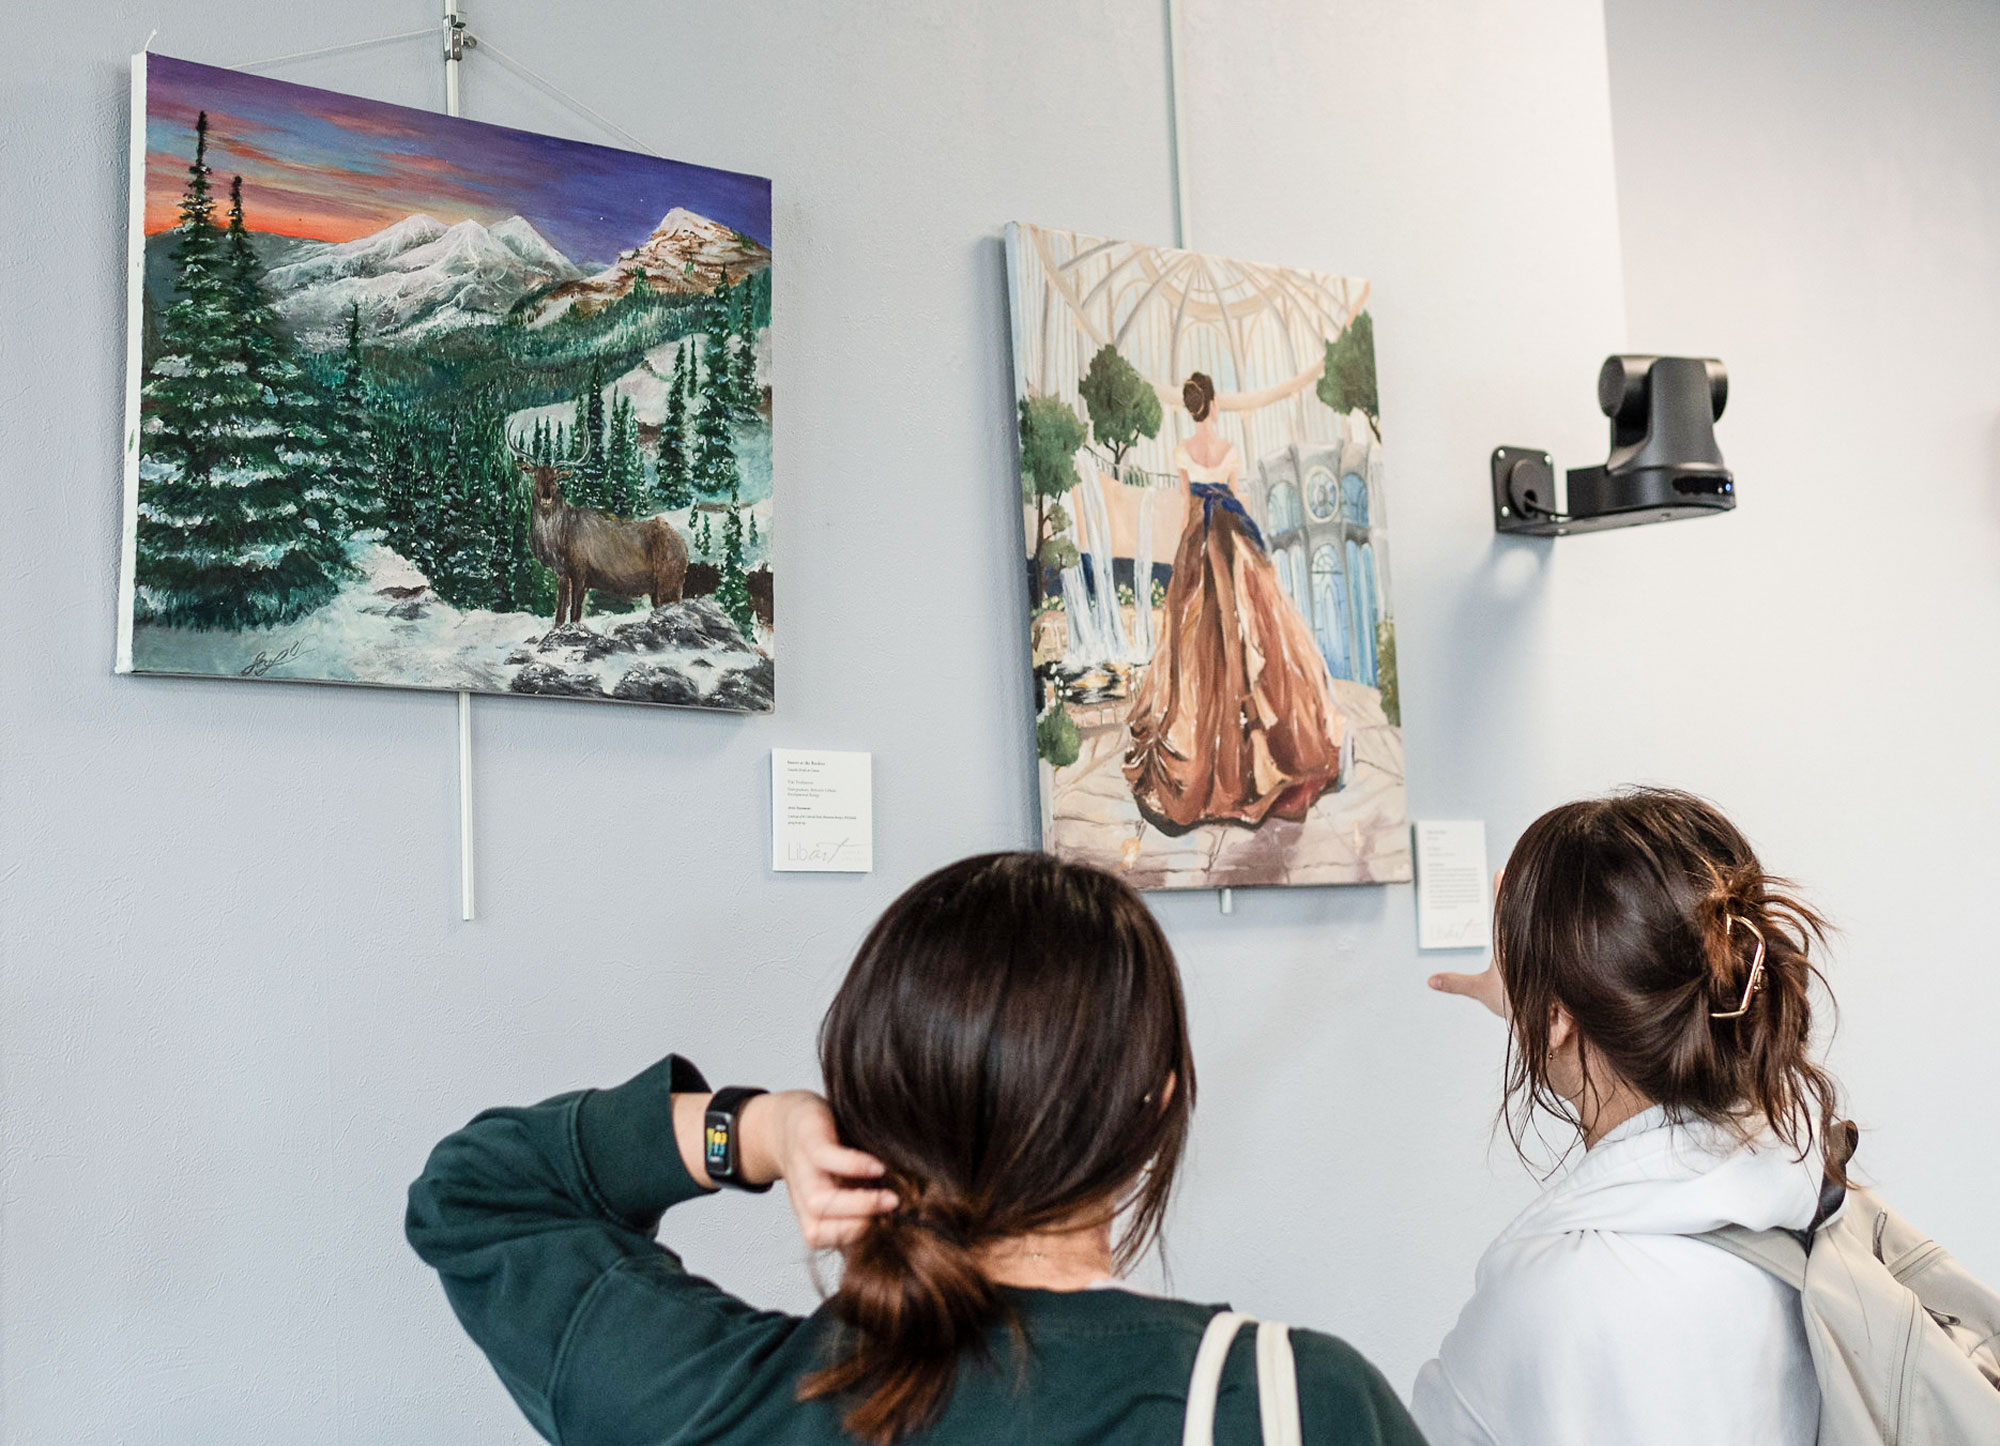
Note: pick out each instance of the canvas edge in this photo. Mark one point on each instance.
(771, 346)
(135, 303)
(178, 675)
(1010, 235)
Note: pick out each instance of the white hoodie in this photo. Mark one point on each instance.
(1593, 1322)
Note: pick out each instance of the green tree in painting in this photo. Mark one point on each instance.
(586, 487)
(1050, 436)
(352, 436)
(1056, 738)
(1385, 671)
(624, 485)
(714, 462)
(1349, 379)
(675, 487)
(1123, 405)
(223, 540)
(743, 390)
(733, 593)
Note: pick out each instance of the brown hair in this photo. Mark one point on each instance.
(1011, 1042)
(1619, 910)
(1198, 395)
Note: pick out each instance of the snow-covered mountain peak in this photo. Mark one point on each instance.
(681, 220)
(519, 235)
(417, 276)
(686, 253)
(330, 260)
(466, 246)
(412, 230)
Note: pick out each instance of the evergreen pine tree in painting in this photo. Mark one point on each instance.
(408, 392)
(675, 489)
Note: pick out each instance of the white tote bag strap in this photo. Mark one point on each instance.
(1278, 1386)
(1207, 1378)
(1277, 1382)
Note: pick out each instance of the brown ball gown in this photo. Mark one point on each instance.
(1234, 719)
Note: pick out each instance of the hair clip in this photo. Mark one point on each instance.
(1756, 970)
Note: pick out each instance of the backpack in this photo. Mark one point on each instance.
(1905, 1343)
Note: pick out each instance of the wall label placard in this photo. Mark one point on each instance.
(822, 812)
(1452, 887)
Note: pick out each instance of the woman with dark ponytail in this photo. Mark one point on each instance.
(1008, 1091)
(1657, 982)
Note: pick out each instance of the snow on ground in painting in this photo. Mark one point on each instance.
(388, 628)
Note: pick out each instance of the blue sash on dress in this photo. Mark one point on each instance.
(1216, 494)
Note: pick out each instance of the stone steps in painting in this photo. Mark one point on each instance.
(1357, 836)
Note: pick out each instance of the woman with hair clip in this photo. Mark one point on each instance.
(1008, 1089)
(1656, 982)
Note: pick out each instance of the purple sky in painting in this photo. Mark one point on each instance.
(330, 166)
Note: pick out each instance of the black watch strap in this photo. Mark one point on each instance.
(721, 1155)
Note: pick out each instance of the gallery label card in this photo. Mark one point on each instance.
(1452, 884)
(822, 812)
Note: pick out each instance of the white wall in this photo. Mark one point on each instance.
(236, 1005)
(1811, 191)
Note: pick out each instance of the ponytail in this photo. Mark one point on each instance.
(914, 1301)
(1686, 967)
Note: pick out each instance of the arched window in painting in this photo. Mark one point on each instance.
(1329, 611)
(1322, 495)
(1301, 581)
(1374, 610)
(1354, 500)
(1282, 508)
(1282, 558)
(1361, 614)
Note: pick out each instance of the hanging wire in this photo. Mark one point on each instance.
(487, 47)
(327, 49)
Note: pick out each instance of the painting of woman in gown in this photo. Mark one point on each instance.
(1234, 719)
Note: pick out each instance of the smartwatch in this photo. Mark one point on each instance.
(719, 1153)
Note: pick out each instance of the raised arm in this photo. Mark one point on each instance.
(540, 1224)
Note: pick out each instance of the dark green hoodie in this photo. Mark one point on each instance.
(541, 1223)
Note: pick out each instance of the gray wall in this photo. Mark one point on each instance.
(237, 1006)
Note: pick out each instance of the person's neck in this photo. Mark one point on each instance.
(1607, 1112)
(1060, 1258)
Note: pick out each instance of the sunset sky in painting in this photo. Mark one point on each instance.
(333, 167)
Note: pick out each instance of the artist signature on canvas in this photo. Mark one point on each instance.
(258, 666)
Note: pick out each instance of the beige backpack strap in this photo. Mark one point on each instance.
(1206, 1381)
(1777, 1251)
(1278, 1386)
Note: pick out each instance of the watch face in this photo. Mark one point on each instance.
(715, 1146)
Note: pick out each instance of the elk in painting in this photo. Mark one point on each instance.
(586, 548)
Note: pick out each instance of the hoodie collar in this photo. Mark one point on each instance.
(1659, 1175)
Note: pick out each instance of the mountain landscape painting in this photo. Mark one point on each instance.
(419, 402)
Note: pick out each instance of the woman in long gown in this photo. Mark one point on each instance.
(1234, 719)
